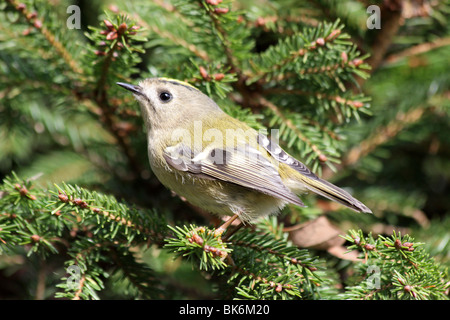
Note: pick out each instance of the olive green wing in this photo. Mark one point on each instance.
(244, 166)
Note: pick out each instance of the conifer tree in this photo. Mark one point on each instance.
(363, 105)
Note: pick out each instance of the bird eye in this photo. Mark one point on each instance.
(165, 96)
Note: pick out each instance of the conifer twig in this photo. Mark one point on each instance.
(418, 49)
(305, 18)
(164, 34)
(231, 59)
(294, 55)
(34, 21)
(383, 134)
(266, 103)
(83, 204)
(275, 253)
(80, 289)
(277, 285)
(319, 95)
(101, 99)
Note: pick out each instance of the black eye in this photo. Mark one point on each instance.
(165, 96)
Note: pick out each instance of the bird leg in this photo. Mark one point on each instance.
(224, 226)
(229, 234)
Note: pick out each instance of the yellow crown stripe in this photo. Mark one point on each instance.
(182, 83)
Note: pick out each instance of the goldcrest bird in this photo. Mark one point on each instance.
(217, 162)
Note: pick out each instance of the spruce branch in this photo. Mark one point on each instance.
(199, 244)
(215, 14)
(305, 50)
(384, 134)
(403, 269)
(267, 104)
(85, 225)
(77, 295)
(417, 50)
(276, 251)
(79, 200)
(283, 24)
(34, 21)
(259, 262)
(142, 280)
(266, 264)
(165, 34)
(274, 65)
(117, 37)
(339, 99)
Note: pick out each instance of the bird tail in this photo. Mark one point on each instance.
(309, 180)
(334, 193)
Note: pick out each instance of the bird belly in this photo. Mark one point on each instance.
(219, 197)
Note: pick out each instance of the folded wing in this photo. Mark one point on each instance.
(244, 166)
(309, 179)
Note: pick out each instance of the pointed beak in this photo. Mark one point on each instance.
(131, 87)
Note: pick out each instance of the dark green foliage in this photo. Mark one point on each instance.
(398, 268)
(366, 109)
(267, 266)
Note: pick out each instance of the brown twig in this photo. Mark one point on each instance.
(338, 99)
(263, 22)
(391, 19)
(231, 59)
(82, 204)
(291, 260)
(383, 134)
(80, 289)
(36, 23)
(42, 275)
(418, 49)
